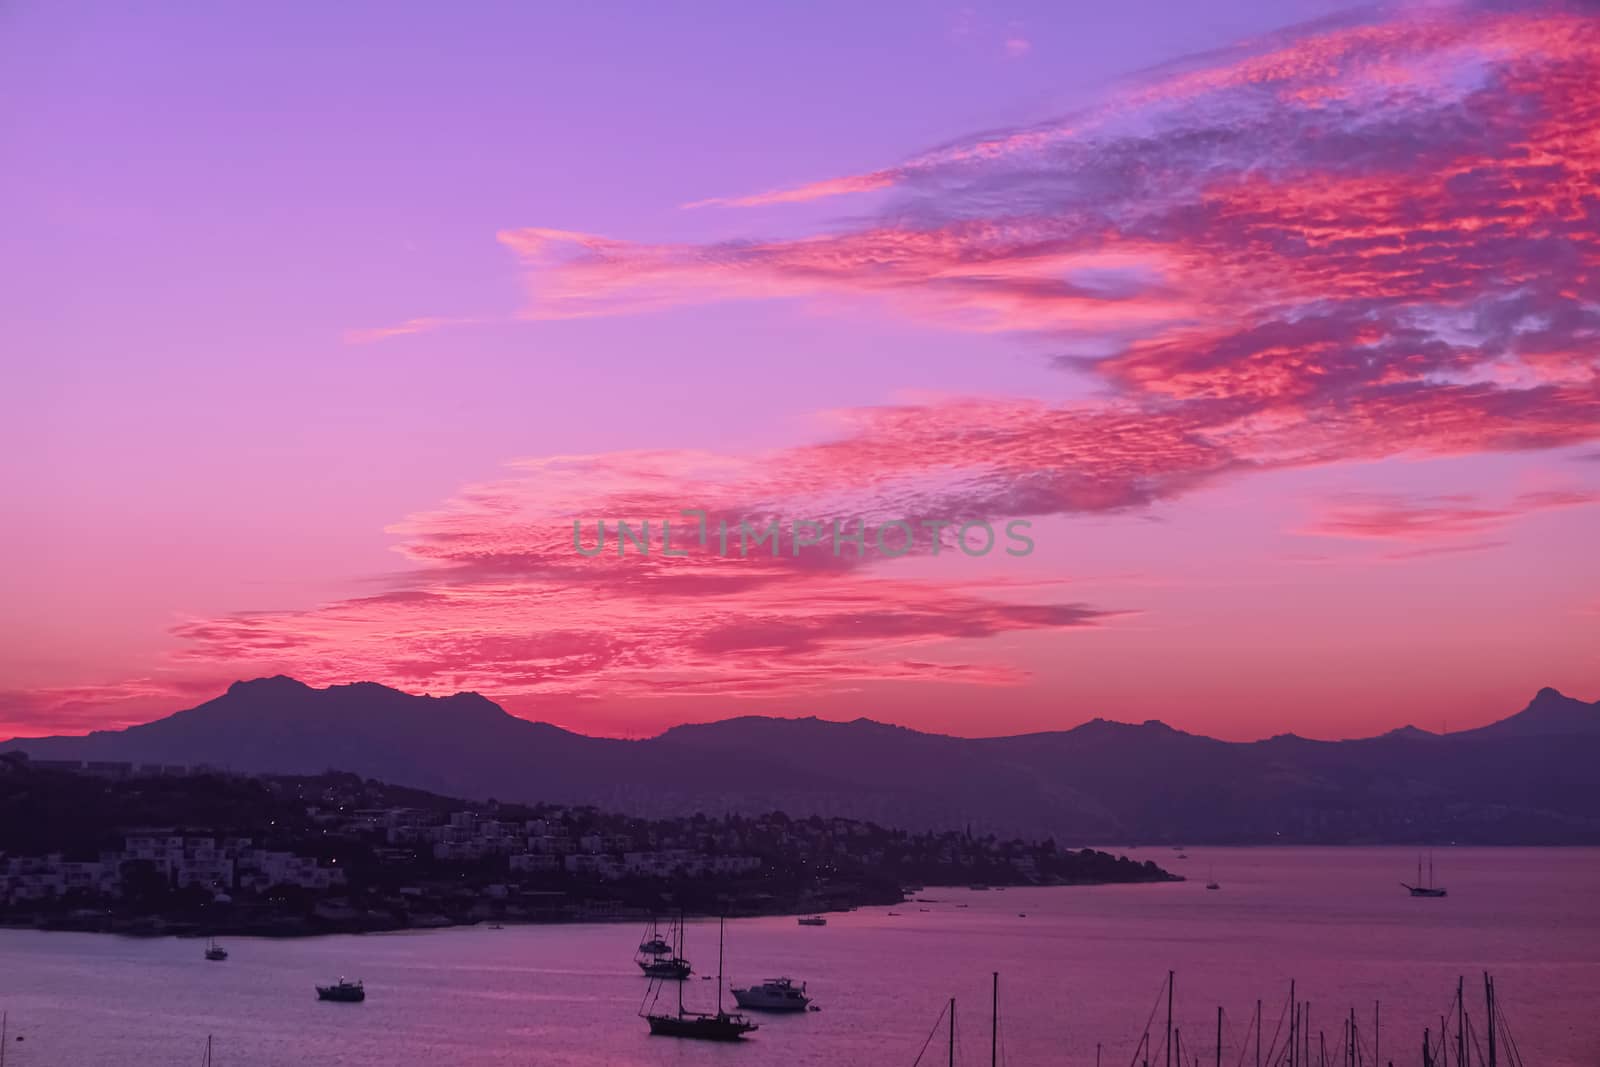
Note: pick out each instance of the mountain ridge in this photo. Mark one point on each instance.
(1523, 779)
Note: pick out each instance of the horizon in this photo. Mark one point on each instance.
(859, 719)
(1245, 312)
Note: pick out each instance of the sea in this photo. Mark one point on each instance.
(1081, 973)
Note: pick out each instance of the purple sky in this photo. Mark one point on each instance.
(208, 207)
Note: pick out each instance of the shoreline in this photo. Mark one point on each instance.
(290, 928)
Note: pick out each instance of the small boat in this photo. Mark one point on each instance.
(496, 926)
(654, 944)
(1425, 889)
(773, 994)
(1212, 884)
(894, 914)
(657, 957)
(343, 992)
(812, 920)
(722, 1026)
(215, 951)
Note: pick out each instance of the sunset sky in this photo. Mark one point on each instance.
(1279, 322)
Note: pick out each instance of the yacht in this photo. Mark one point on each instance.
(774, 994)
(215, 951)
(343, 991)
(812, 920)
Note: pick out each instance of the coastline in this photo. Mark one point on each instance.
(303, 926)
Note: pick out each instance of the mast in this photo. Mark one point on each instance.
(722, 921)
(1258, 1032)
(1169, 1021)
(1461, 1023)
(680, 956)
(1377, 1061)
(1488, 996)
(952, 1032)
(1219, 1035)
(994, 1024)
(1294, 1024)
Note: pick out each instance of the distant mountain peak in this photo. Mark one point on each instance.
(1409, 730)
(1550, 712)
(278, 682)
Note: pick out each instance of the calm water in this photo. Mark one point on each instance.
(1084, 966)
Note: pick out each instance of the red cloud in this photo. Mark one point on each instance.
(1407, 519)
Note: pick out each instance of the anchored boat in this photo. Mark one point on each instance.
(660, 958)
(343, 991)
(1425, 889)
(773, 994)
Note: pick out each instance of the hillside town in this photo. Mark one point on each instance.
(164, 849)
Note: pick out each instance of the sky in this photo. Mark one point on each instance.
(333, 335)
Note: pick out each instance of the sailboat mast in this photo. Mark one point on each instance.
(1258, 1032)
(1169, 1019)
(1461, 1022)
(1488, 996)
(1219, 1035)
(994, 1024)
(1294, 1024)
(722, 921)
(952, 1032)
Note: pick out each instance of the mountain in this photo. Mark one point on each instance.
(1526, 779)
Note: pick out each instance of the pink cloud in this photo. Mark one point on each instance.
(1407, 519)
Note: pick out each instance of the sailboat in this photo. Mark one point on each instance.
(723, 1026)
(1213, 884)
(667, 963)
(215, 951)
(1425, 889)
